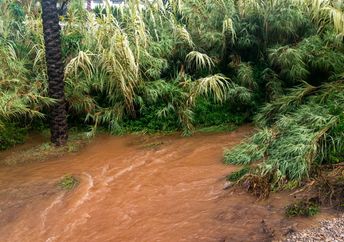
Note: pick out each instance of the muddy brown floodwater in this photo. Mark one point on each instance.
(139, 188)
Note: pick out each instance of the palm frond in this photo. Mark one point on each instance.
(199, 60)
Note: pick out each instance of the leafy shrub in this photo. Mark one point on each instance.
(302, 208)
(208, 113)
(298, 138)
(11, 134)
(70, 43)
(237, 175)
(17, 10)
(336, 153)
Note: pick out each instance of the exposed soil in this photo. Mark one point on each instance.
(328, 230)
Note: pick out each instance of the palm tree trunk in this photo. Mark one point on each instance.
(51, 30)
(88, 6)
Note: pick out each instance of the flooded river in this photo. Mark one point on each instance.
(139, 188)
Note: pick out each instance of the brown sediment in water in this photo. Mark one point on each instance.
(139, 188)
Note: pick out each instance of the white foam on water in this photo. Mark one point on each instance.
(46, 211)
(51, 239)
(86, 196)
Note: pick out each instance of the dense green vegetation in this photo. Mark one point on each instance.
(237, 175)
(302, 208)
(187, 64)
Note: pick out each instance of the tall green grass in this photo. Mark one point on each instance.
(185, 64)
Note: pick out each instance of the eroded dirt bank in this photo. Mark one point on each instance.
(139, 188)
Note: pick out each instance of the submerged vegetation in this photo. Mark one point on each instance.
(68, 182)
(189, 65)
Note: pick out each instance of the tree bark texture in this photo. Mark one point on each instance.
(53, 55)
